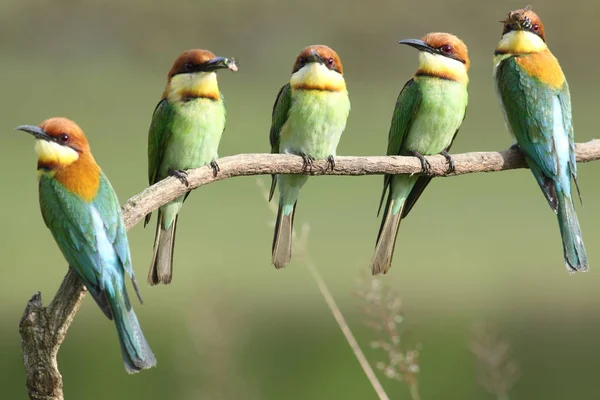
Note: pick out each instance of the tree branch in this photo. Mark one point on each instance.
(43, 329)
(264, 164)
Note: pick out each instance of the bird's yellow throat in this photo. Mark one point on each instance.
(182, 87)
(520, 42)
(442, 67)
(55, 154)
(316, 76)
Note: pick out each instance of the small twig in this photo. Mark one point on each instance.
(383, 310)
(301, 249)
(341, 321)
(497, 371)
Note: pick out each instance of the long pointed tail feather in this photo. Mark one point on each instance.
(282, 237)
(136, 351)
(574, 251)
(386, 239)
(161, 267)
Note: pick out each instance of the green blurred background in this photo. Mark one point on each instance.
(476, 247)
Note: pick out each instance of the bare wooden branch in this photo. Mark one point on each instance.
(264, 164)
(43, 329)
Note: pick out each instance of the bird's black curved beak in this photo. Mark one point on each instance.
(36, 131)
(219, 63)
(315, 57)
(418, 44)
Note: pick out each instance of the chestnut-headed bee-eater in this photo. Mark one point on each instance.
(536, 102)
(428, 114)
(185, 132)
(83, 213)
(309, 116)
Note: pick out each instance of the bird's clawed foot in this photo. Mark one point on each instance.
(215, 168)
(331, 161)
(425, 166)
(307, 160)
(449, 160)
(181, 175)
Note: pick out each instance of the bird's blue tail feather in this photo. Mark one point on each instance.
(137, 354)
(574, 251)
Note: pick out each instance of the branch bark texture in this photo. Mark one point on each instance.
(43, 329)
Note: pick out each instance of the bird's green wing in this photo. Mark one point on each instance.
(158, 137)
(71, 221)
(107, 204)
(564, 97)
(279, 117)
(529, 105)
(407, 106)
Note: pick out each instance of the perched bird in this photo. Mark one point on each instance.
(536, 102)
(83, 213)
(309, 116)
(428, 113)
(185, 132)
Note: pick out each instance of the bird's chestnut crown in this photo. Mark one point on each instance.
(66, 133)
(199, 60)
(524, 20)
(321, 54)
(449, 46)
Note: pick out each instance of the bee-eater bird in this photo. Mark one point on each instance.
(536, 102)
(309, 116)
(428, 114)
(185, 132)
(83, 213)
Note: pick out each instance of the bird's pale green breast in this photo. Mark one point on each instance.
(438, 116)
(315, 122)
(185, 135)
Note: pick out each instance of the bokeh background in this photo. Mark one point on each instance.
(482, 247)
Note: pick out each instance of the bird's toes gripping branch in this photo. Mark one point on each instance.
(425, 166)
(181, 175)
(449, 160)
(331, 162)
(215, 167)
(307, 160)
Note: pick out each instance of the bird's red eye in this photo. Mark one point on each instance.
(535, 27)
(330, 61)
(188, 66)
(446, 49)
(63, 138)
(301, 61)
